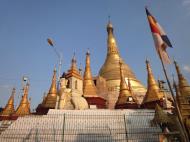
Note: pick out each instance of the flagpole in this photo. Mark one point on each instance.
(59, 55)
(175, 102)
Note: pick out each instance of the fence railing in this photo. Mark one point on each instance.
(83, 128)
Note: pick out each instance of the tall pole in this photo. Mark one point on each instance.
(59, 55)
(59, 75)
(185, 135)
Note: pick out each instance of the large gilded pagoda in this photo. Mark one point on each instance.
(110, 70)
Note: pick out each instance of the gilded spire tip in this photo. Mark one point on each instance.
(147, 61)
(74, 57)
(88, 52)
(54, 69)
(109, 17)
(74, 54)
(109, 25)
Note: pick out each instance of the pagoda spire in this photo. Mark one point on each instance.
(110, 70)
(153, 93)
(50, 100)
(73, 63)
(9, 108)
(24, 106)
(111, 42)
(53, 88)
(113, 56)
(73, 71)
(89, 88)
(183, 95)
(184, 86)
(124, 90)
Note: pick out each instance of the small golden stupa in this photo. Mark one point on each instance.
(9, 108)
(24, 106)
(125, 99)
(183, 97)
(184, 86)
(50, 99)
(89, 88)
(153, 95)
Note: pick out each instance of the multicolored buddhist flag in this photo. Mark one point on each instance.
(161, 40)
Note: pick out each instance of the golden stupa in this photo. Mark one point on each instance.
(183, 97)
(89, 88)
(153, 94)
(9, 108)
(111, 68)
(24, 106)
(50, 99)
(126, 98)
(184, 86)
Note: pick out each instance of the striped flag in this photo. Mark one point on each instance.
(161, 40)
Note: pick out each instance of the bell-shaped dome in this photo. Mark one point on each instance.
(111, 68)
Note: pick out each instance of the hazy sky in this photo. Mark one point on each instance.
(75, 26)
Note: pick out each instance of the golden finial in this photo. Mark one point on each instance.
(87, 73)
(184, 86)
(9, 108)
(153, 92)
(111, 42)
(151, 80)
(50, 100)
(24, 106)
(109, 25)
(89, 88)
